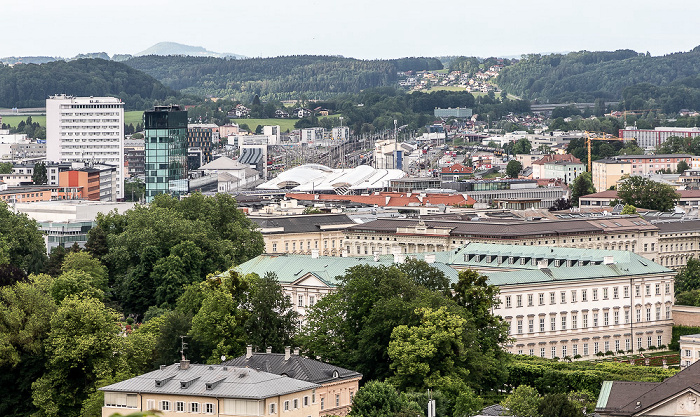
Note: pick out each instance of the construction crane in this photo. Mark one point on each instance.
(590, 137)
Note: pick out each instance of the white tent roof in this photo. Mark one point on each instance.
(314, 177)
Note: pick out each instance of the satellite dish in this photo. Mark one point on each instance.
(223, 358)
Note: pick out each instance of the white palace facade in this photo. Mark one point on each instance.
(559, 302)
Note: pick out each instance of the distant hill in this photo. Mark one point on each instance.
(643, 81)
(173, 48)
(287, 77)
(30, 85)
(12, 60)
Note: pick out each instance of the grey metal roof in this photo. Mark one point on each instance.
(296, 366)
(513, 229)
(678, 226)
(303, 223)
(228, 382)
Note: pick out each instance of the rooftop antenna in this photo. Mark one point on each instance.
(183, 346)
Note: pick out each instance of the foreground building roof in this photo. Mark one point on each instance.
(677, 395)
(211, 381)
(294, 366)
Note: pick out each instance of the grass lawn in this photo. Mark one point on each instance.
(443, 88)
(14, 120)
(284, 124)
(133, 117)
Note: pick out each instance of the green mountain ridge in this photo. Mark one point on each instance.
(623, 74)
(287, 77)
(29, 85)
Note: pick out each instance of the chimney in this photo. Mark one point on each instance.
(344, 253)
(314, 253)
(269, 349)
(249, 351)
(184, 364)
(399, 258)
(296, 351)
(287, 352)
(430, 258)
(608, 260)
(162, 367)
(376, 256)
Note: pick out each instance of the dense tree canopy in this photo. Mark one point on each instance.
(580, 186)
(30, 85)
(278, 78)
(21, 240)
(153, 252)
(645, 193)
(669, 82)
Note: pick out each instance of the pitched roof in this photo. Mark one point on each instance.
(631, 398)
(223, 163)
(457, 169)
(556, 158)
(212, 381)
(297, 367)
(303, 223)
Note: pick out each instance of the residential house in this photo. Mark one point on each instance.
(678, 395)
(337, 385)
(189, 389)
(455, 172)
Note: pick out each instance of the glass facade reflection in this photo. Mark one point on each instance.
(165, 131)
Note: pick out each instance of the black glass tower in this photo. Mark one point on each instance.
(165, 131)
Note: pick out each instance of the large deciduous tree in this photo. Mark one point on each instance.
(22, 240)
(80, 347)
(642, 192)
(272, 321)
(524, 401)
(26, 309)
(152, 253)
(431, 354)
(581, 185)
(513, 169)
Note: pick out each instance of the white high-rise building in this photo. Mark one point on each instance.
(86, 129)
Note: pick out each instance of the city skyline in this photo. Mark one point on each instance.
(359, 29)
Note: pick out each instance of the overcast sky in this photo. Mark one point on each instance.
(352, 28)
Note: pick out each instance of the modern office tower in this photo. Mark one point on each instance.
(86, 129)
(165, 134)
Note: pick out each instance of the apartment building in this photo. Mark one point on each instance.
(337, 385)
(650, 139)
(651, 164)
(88, 130)
(607, 172)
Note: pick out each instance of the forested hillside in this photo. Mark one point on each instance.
(289, 77)
(30, 85)
(585, 76)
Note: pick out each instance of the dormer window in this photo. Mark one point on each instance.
(335, 374)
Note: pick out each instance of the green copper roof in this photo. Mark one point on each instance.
(503, 264)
